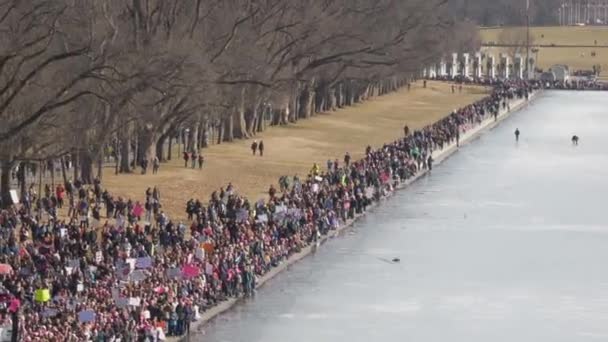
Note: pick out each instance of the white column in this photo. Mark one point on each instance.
(454, 70)
(465, 69)
(478, 66)
(491, 67)
(519, 66)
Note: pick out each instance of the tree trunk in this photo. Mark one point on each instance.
(170, 147)
(23, 178)
(125, 165)
(193, 139)
(100, 166)
(75, 164)
(261, 121)
(63, 173)
(228, 133)
(240, 124)
(306, 101)
(160, 147)
(5, 184)
(86, 166)
(205, 135)
(52, 164)
(220, 132)
(293, 109)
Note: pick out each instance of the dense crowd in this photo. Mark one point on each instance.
(576, 85)
(142, 276)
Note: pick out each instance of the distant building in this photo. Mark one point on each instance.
(583, 12)
(560, 72)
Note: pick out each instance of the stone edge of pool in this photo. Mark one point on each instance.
(438, 156)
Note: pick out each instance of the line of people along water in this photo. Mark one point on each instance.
(134, 279)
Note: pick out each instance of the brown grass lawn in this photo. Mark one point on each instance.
(559, 35)
(576, 58)
(293, 149)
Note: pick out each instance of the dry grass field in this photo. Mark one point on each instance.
(293, 149)
(577, 58)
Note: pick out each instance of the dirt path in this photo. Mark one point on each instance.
(293, 149)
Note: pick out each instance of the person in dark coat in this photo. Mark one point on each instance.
(254, 147)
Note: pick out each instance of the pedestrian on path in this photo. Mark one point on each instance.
(155, 165)
(254, 147)
(201, 159)
(261, 148)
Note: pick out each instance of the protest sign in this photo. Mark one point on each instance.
(134, 301)
(208, 269)
(200, 254)
(174, 273)
(14, 196)
(137, 276)
(190, 271)
(131, 262)
(145, 262)
(42, 295)
(86, 316)
(369, 192)
(262, 218)
(49, 312)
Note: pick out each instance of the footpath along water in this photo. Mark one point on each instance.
(438, 156)
(504, 242)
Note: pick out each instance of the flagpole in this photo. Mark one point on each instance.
(527, 39)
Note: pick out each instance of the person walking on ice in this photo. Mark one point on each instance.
(517, 134)
(575, 140)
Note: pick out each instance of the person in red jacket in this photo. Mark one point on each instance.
(60, 194)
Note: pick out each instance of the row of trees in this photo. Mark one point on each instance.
(84, 77)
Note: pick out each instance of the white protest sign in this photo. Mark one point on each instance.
(145, 262)
(208, 269)
(200, 254)
(14, 196)
(369, 192)
(131, 262)
(137, 276)
(263, 218)
(134, 301)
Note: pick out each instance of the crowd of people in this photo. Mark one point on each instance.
(141, 276)
(576, 85)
